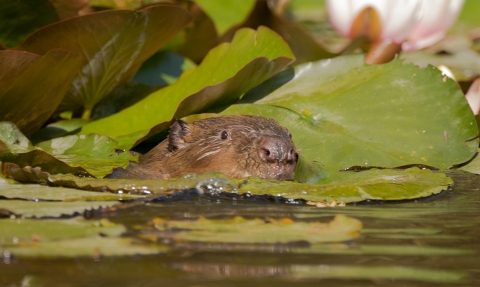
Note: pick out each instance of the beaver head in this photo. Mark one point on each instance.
(238, 146)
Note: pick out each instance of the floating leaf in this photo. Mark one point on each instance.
(226, 73)
(215, 182)
(337, 186)
(67, 238)
(50, 230)
(115, 43)
(57, 129)
(343, 113)
(94, 247)
(35, 192)
(473, 166)
(30, 88)
(357, 186)
(394, 273)
(52, 208)
(241, 230)
(77, 154)
(95, 153)
(16, 148)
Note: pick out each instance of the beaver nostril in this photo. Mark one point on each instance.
(267, 152)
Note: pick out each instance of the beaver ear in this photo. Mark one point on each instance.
(176, 138)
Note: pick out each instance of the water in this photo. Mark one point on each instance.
(434, 242)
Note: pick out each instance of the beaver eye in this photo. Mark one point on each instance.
(224, 135)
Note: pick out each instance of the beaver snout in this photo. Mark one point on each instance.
(277, 149)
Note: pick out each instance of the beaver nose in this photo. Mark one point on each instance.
(277, 149)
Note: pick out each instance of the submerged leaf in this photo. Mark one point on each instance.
(241, 230)
(227, 72)
(30, 88)
(114, 42)
(62, 238)
(343, 113)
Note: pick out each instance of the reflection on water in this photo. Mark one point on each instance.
(418, 243)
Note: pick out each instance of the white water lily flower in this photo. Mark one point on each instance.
(415, 23)
(473, 97)
(437, 17)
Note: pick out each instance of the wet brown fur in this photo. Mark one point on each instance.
(228, 144)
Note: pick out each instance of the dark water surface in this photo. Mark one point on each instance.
(433, 242)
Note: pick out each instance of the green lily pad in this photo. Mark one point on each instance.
(31, 88)
(344, 113)
(57, 129)
(226, 73)
(241, 230)
(95, 153)
(21, 231)
(85, 155)
(67, 238)
(473, 166)
(16, 151)
(215, 182)
(226, 14)
(377, 272)
(35, 192)
(383, 250)
(115, 44)
(375, 184)
(51, 208)
(94, 247)
(348, 187)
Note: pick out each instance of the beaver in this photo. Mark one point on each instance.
(238, 146)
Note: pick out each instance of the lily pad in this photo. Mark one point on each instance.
(94, 247)
(375, 184)
(344, 113)
(29, 93)
(21, 231)
(241, 230)
(473, 166)
(348, 187)
(208, 182)
(51, 208)
(378, 273)
(35, 192)
(85, 155)
(57, 129)
(17, 152)
(226, 73)
(95, 153)
(67, 238)
(115, 44)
